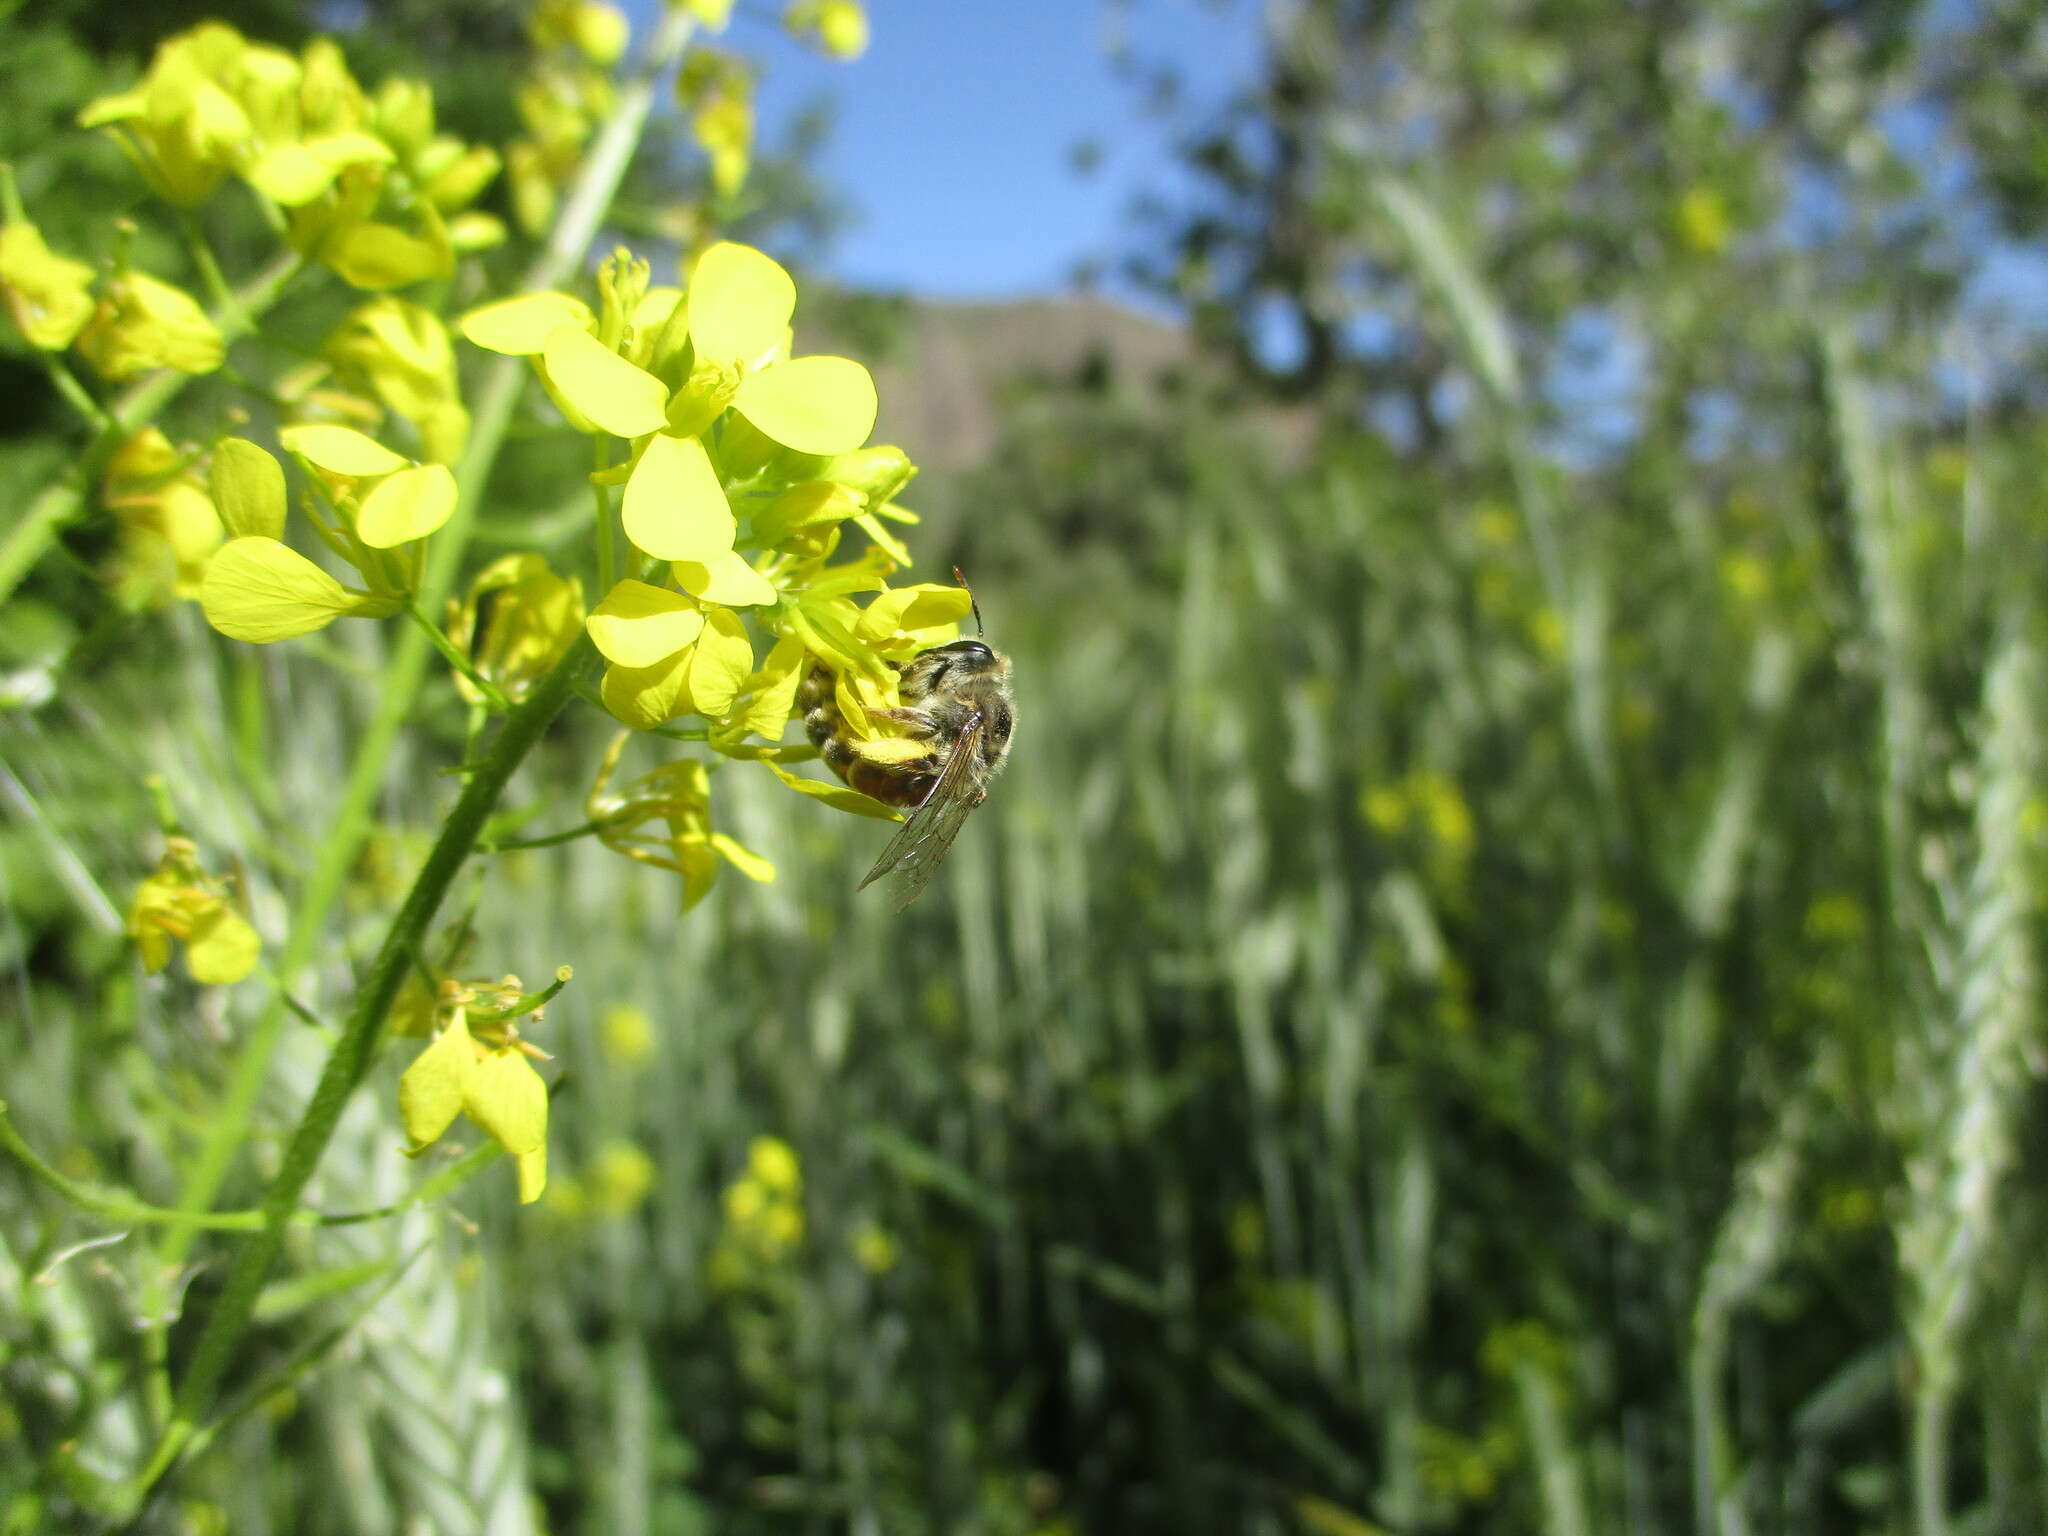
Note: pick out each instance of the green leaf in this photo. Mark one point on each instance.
(812, 404)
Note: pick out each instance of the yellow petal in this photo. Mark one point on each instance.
(259, 590)
(644, 697)
(291, 175)
(638, 625)
(376, 256)
(908, 611)
(720, 663)
(533, 1174)
(248, 489)
(745, 860)
(675, 508)
(222, 948)
(430, 1092)
(408, 505)
(836, 795)
(811, 404)
(623, 400)
(520, 327)
(740, 303)
(728, 579)
(774, 688)
(503, 1094)
(340, 450)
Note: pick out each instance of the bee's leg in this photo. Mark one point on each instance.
(921, 722)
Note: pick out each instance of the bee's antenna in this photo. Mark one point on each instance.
(971, 603)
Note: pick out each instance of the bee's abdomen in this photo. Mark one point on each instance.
(890, 783)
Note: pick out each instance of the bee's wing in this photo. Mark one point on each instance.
(914, 852)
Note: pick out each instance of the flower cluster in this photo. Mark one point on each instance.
(764, 1215)
(744, 465)
(366, 184)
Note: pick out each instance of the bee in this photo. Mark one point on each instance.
(956, 701)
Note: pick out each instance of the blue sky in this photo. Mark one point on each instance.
(953, 136)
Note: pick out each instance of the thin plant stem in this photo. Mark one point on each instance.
(581, 214)
(65, 382)
(123, 1210)
(552, 840)
(607, 552)
(493, 695)
(217, 289)
(353, 1053)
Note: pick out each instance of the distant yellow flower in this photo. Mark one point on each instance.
(48, 297)
(142, 323)
(181, 902)
(627, 1035)
(773, 1161)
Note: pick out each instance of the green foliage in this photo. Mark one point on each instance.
(1499, 991)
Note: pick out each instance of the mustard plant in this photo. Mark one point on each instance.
(742, 531)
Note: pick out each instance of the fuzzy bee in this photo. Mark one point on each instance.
(956, 701)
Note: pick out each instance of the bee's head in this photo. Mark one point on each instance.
(954, 662)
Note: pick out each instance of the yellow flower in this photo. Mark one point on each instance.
(514, 625)
(170, 527)
(488, 1080)
(773, 1161)
(181, 902)
(181, 124)
(873, 1248)
(400, 353)
(619, 1179)
(678, 795)
(627, 1035)
(142, 323)
(379, 507)
(48, 297)
(839, 28)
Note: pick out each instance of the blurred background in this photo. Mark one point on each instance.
(1499, 991)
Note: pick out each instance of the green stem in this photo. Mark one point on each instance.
(121, 1210)
(452, 654)
(553, 839)
(36, 529)
(582, 213)
(65, 382)
(503, 384)
(217, 289)
(360, 1037)
(607, 554)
